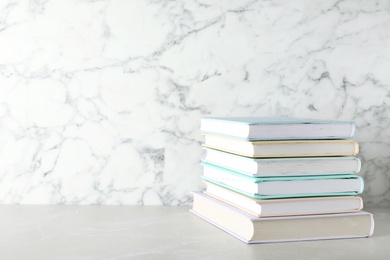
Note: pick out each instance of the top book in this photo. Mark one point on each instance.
(277, 128)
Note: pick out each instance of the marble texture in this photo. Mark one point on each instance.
(157, 232)
(100, 100)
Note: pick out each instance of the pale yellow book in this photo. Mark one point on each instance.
(277, 128)
(282, 148)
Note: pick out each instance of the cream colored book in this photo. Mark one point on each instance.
(250, 229)
(282, 148)
(261, 167)
(285, 207)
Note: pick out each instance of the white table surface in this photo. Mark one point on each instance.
(157, 232)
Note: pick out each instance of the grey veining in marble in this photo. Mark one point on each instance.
(100, 100)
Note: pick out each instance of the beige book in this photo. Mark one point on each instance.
(250, 229)
(282, 148)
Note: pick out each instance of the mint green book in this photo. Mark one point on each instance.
(283, 187)
(277, 128)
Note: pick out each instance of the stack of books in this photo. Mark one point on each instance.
(282, 179)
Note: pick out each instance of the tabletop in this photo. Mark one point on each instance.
(157, 232)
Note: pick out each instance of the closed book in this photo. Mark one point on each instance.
(277, 128)
(250, 229)
(284, 187)
(285, 207)
(284, 166)
(282, 148)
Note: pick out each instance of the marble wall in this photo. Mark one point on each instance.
(100, 100)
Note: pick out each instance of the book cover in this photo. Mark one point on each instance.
(282, 148)
(250, 229)
(285, 207)
(277, 128)
(283, 187)
(283, 166)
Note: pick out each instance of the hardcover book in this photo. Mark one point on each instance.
(285, 207)
(283, 148)
(283, 166)
(284, 187)
(250, 229)
(277, 128)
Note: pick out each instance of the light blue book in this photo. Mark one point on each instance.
(272, 167)
(277, 128)
(283, 187)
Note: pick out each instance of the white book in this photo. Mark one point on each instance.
(285, 207)
(250, 229)
(276, 128)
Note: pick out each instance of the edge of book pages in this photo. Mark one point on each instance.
(214, 191)
(250, 217)
(258, 196)
(280, 155)
(292, 200)
(276, 160)
(285, 240)
(253, 121)
(274, 120)
(257, 179)
(280, 141)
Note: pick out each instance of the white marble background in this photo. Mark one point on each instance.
(100, 100)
